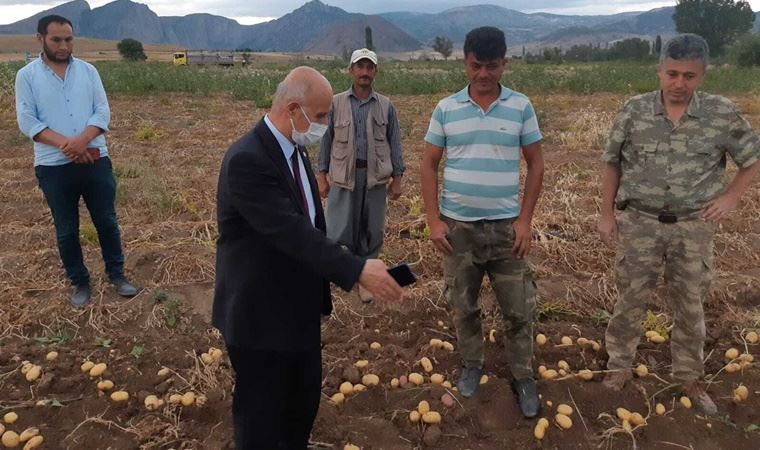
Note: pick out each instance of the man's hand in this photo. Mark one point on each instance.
(438, 234)
(608, 229)
(376, 279)
(523, 238)
(395, 188)
(720, 207)
(323, 184)
(76, 150)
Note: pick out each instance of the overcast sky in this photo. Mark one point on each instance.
(263, 10)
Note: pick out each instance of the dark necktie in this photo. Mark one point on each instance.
(297, 176)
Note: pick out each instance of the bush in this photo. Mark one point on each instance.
(131, 50)
(746, 51)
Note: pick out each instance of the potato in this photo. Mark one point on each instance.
(623, 414)
(163, 372)
(188, 398)
(563, 421)
(542, 422)
(565, 409)
(175, 399)
(752, 337)
(596, 346)
(427, 366)
(359, 388)
(746, 357)
(651, 333)
(742, 392)
(733, 367)
(659, 409)
(447, 400)
(431, 417)
(484, 379)
(105, 385)
(436, 343)
(206, 358)
(562, 364)
(447, 384)
(492, 336)
(361, 364)
(416, 379)
(25, 367)
(627, 425)
(33, 373)
(582, 341)
(440, 323)
(370, 380)
(423, 407)
(585, 374)
(549, 374)
(86, 366)
(562, 372)
(10, 417)
(151, 403)
(2, 429)
(436, 378)
(566, 340)
(28, 434)
(732, 353)
(10, 439)
(641, 370)
(685, 401)
(394, 383)
(216, 353)
(549, 404)
(338, 398)
(375, 346)
(657, 339)
(541, 370)
(346, 388)
(52, 356)
(539, 432)
(637, 419)
(540, 339)
(351, 447)
(448, 346)
(120, 396)
(414, 416)
(98, 369)
(34, 442)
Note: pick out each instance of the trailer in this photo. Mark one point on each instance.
(204, 57)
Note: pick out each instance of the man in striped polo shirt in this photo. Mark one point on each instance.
(481, 227)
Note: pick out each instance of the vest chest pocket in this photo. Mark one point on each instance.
(339, 161)
(382, 149)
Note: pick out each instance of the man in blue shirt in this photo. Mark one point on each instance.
(61, 105)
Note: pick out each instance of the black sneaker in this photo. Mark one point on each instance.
(81, 296)
(124, 287)
(527, 396)
(469, 380)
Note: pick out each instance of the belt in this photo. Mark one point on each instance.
(361, 163)
(662, 216)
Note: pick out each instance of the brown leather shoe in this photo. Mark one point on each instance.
(617, 379)
(699, 397)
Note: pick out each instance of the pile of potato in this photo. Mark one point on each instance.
(30, 437)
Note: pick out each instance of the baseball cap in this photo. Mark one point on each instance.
(363, 53)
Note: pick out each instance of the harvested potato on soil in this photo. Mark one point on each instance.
(436, 378)
(685, 401)
(448, 346)
(563, 421)
(414, 416)
(33, 373)
(540, 339)
(539, 432)
(52, 356)
(731, 353)
(416, 379)
(565, 409)
(641, 370)
(188, 398)
(752, 337)
(346, 388)
(549, 374)
(659, 409)
(484, 379)
(86, 366)
(423, 407)
(10, 439)
(98, 369)
(431, 417)
(426, 364)
(436, 343)
(585, 375)
(375, 346)
(338, 398)
(370, 379)
(33, 443)
(361, 364)
(566, 340)
(120, 396)
(10, 417)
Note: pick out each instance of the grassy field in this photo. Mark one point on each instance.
(170, 128)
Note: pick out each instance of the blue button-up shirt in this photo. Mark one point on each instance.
(287, 150)
(67, 106)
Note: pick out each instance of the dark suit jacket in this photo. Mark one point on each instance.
(273, 267)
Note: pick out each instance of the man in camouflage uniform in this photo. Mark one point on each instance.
(480, 224)
(664, 165)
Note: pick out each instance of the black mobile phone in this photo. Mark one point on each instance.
(402, 274)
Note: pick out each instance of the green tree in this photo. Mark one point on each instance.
(443, 45)
(746, 51)
(720, 22)
(368, 38)
(131, 50)
(658, 45)
(633, 48)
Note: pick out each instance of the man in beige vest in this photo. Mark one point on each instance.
(360, 162)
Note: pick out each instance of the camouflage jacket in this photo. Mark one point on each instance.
(677, 168)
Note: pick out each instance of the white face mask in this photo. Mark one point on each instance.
(312, 135)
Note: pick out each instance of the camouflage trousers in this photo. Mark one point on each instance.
(684, 252)
(485, 247)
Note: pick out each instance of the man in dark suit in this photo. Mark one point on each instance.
(274, 265)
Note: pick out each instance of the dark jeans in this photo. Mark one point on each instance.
(276, 397)
(63, 186)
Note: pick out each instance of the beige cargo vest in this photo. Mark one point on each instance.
(343, 152)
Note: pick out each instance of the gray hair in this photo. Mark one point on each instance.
(298, 83)
(687, 46)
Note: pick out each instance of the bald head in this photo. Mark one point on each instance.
(303, 96)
